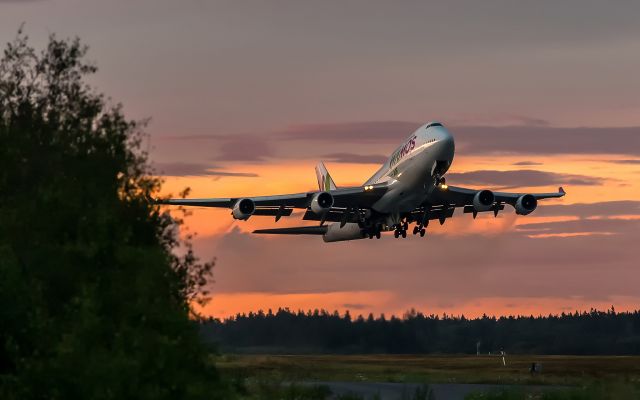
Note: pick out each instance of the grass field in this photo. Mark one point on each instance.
(556, 370)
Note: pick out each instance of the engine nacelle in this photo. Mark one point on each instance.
(243, 209)
(321, 202)
(526, 204)
(483, 200)
(350, 231)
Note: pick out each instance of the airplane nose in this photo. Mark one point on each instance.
(447, 144)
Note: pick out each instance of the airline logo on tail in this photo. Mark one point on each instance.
(325, 182)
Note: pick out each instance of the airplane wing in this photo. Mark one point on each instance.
(459, 197)
(450, 197)
(344, 198)
(446, 201)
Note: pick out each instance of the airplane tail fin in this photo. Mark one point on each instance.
(325, 182)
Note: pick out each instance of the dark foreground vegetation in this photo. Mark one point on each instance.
(594, 332)
(94, 301)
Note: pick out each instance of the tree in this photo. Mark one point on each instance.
(95, 301)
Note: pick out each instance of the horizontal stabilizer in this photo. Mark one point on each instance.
(300, 230)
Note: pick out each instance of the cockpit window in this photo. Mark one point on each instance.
(434, 124)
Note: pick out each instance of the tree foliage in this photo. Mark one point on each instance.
(318, 331)
(95, 300)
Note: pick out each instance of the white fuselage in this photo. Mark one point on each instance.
(412, 169)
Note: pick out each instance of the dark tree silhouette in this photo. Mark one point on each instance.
(593, 332)
(95, 302)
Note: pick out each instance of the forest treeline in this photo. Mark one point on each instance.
(320, 331)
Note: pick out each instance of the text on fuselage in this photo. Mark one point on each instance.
(403, 151)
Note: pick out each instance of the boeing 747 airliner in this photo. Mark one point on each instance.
(409, 188)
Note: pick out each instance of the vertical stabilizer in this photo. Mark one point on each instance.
(325, 182)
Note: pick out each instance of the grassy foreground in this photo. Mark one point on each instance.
(556, 370)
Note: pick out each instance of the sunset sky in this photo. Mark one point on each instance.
(245, 97)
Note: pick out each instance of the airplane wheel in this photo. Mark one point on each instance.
(405, 226)
(370, 236)
(422, 232)
(415, 230)
(396, 234)
(404, 233)
(378, 235)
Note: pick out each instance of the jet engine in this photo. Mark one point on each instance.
(350, 231)
(526, 204)
(243, 209)
(483, 200)
(321, 202)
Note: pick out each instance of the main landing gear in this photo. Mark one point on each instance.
(400, 232)
(419, 229)
(375, 233)
(402, 228)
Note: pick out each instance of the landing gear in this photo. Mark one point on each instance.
(419, 229)
(374, 232)
(400, 232)
(400, 229)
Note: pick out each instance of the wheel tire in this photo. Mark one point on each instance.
(396, 234)
(404, 234)
(422, 232)
(415, 230)
(378, 235)
(405, 226)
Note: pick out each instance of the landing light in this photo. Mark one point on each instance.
(444, 187)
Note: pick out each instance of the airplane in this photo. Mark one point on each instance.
(410, 187)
